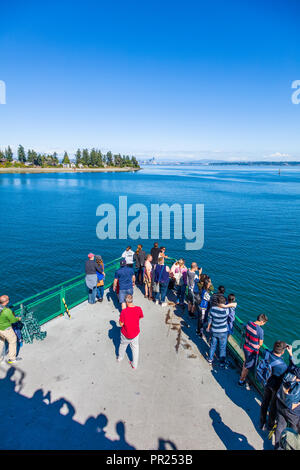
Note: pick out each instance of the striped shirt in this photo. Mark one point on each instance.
(218, 319)
(254, 334)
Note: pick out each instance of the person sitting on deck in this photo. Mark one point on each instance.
(129, 322)
(217, 323)
(7, 319)
(125, 276)
(253, 341)
(278, 369)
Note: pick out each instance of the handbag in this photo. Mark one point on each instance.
(100, 283)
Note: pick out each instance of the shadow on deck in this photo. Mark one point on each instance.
(38, 423)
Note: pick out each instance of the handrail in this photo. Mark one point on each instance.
(61, 284)
(40, 301)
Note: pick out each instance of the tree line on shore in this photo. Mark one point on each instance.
(93, 158)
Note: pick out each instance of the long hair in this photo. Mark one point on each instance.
(99, 261)
(139, 247)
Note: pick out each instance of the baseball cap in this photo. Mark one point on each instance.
(123, 262)
(90, 255)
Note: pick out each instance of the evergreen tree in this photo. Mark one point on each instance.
(85, 157)
(9, 154)
(66, 160)
(78, 157)
(134, 162)
(93, 157)
(21, 154)
(55, 159)
(99, 161)
(109, 159)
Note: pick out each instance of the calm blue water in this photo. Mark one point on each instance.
(252, 226)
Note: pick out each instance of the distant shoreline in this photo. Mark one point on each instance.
(67, 170)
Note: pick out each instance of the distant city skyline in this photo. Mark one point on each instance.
(167, 80)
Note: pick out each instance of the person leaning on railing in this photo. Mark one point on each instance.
(253, 341)
(7, 319)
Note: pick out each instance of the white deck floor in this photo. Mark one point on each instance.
(69, 392)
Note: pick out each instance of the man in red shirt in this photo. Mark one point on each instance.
(130, 324)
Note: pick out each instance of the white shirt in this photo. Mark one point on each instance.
(128, 255)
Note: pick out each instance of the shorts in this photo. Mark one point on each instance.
(123, 293)
(251, 359)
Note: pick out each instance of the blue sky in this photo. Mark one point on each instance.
(166, 79)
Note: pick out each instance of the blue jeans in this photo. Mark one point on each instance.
(100, 292)
(180, 292)
(220, 338)
(92, 295)
(163, 289)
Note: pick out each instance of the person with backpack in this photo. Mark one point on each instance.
(270, 372)
(161, 281)
(253, 341)
(288, 404)
(7, 319)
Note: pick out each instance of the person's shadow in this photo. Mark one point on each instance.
(114, 335)
(121, 442)
(112, 296)
(166, 445)
(232, 440)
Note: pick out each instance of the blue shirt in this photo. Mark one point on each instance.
(124, 276)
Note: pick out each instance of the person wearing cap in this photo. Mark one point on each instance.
(126, 278)
(7, 319)
(91, 279)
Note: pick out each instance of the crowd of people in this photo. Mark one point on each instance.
(215, 316)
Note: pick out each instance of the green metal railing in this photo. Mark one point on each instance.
(48, 304)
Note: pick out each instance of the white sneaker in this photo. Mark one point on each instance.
(164, 304)
(157, 302)
(119, 359)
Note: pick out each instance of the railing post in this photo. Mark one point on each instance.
(62, 296)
